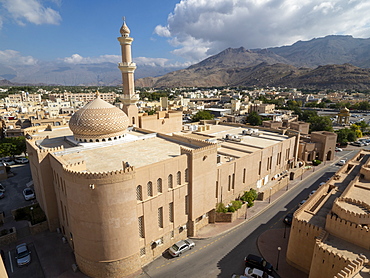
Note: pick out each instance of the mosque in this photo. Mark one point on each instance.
(122, 186)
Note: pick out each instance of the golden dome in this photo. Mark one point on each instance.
(98, 121)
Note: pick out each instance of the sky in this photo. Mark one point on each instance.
(166, 32)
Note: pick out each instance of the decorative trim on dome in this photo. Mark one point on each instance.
(98, 121)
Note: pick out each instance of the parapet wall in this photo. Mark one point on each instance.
(301, 244)
(352, 268)
(349, 231)
(327, 262)
(355, 217)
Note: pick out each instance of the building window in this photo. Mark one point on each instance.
(139, 193)
(178, 178)
(259, 168)
(186, 205)
(216, 189)
(150, 189)
(170, 211)
(233, 182)
(142, 251)
(159, 185)
(229, 185)
(141, 226)
(160, 217)
(172, 234)
(244, 173)
(186, 175)
(170, 181)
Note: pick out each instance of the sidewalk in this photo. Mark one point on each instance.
(269, 241)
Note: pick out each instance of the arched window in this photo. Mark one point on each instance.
(178, 178)
(150, 189)
(159, 185)
(139, 193)
(170, 181)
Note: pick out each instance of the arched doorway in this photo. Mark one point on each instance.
(328, 156)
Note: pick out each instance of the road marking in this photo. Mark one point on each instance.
(11, 264)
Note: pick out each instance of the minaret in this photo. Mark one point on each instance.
(127, 68)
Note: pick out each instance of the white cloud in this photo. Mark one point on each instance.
(78, 59)
(12, 57)
(140, 61)
(199, 28)
(32, 11)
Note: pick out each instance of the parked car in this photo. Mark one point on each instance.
(302, 202)
(341, 162)
(8, 163)
(21, 160)
(238, 276)
(338, 149)
(22, 254)
(288, 219)
(312, 192)
(28, 194)
(180, 247)
(2, 188)
(258, 262)
(2, 194)
(255, 273)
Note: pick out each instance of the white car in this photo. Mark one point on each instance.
(28, 194)
(341, 162)
(338, 149)
(255, 273)
(180, 247)
(21, 160)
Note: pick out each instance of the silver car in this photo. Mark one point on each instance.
(180, 247)
(23, 255)
(28, 194)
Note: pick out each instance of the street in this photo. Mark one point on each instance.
(223, 255)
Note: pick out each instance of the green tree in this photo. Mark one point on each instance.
(320, 123)
(19, 144)
(202, 115)
(307, 114)
(346, 135)
(7, 149)
(254, 119)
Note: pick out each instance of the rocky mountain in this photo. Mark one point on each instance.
(336, 62)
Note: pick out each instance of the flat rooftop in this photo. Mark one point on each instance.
(109, 156)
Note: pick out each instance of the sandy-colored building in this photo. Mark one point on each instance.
(123, 187)
(330, 234)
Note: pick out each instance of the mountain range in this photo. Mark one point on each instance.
(333, 62)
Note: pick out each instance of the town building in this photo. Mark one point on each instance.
(123, 186)
(329, 236)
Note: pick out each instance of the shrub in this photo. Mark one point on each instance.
(236, 204)
(231, 209)
(250, 196)
(316, 162)
(221, 208)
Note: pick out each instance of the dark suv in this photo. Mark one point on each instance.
(258, 262)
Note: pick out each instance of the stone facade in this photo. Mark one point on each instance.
(330, 235)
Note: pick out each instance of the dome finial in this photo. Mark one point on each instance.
(125, 31)
(97, 94)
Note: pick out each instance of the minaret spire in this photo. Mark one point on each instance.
(127, 68)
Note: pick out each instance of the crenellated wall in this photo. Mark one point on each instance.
(353, 267)
(365, 170)
(349, 215)
(349, 231)
(327, 262)
(301, 244)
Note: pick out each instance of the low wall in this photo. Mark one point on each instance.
(38, 228)
(231, 216)
(9, 238)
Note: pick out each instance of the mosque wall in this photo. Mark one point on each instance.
(162, 121)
